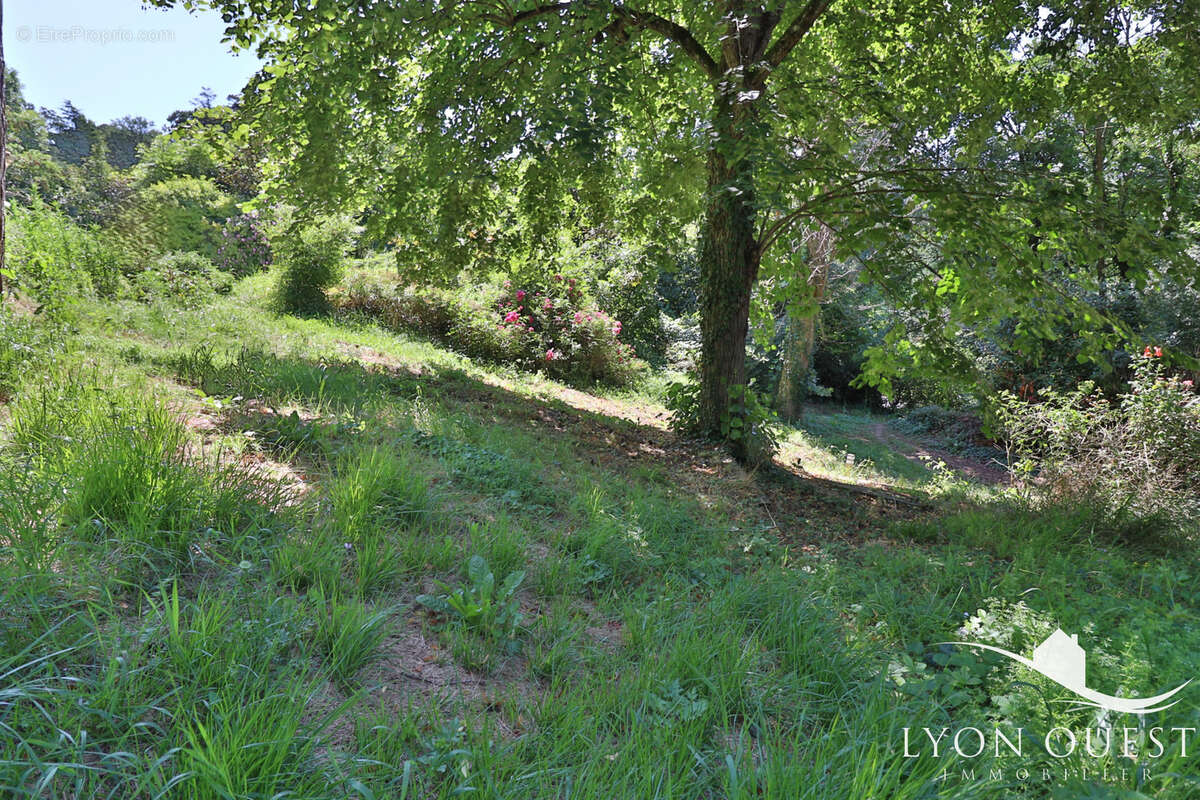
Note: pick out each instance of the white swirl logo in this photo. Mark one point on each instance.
(1062, 660)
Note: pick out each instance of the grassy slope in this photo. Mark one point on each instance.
(218, 523)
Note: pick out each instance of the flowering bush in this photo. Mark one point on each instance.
(563, 337)
(1138, 452)
(548, 330)
(243, 248)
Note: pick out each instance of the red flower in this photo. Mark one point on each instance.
(1158, 352)
(512, 316)
(520, 294)
(1146, 352)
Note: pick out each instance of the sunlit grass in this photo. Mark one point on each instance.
(173, 623)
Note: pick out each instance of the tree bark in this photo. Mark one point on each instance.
(729, 251)
(801, 335)
(729, 261)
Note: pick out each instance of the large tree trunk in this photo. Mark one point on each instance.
(801, 334)
(729, 251)
(728, 268)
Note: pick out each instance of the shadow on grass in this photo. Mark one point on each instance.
(800, 506)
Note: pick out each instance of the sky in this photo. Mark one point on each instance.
(113, 58)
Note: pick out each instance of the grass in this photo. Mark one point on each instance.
(215, 524)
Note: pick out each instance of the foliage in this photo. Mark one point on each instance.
(187, 280)
(1135, 454)
(168, 157)
(55, 260)
(182, 214)
(312, 258)
(244, 248)
(557, 332)
(748, 425)
(625, 287)
(551, 330)
(479, 603)
(999, 106)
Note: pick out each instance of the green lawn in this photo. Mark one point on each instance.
(237, 561)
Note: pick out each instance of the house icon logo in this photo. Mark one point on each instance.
(1061, 659)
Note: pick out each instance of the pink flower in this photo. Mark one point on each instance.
(547, 305)
(558, 277)
(520, 294)
(551, 355)
(512, 316)
(1187, 384)
(616, 329)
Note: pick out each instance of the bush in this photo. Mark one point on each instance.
(54, 260)
(549, 330)
(180, 214)
(558, 333)
(1136, 454)
(313, 259)
(187, 280)
(748, 426)
(165, 158)
(244, 249)
(625, 288)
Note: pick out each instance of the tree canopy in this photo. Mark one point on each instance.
(944, 143)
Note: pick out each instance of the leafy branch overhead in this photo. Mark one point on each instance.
(738, 128)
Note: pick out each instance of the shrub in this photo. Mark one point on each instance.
(313, 259)
(626, 289)
(558, 333)
(550, 330)
(164, 158)
(187, 280)
(244, 249)
(182, 214)
(54, 260)
(1135, 454)
(748, 426)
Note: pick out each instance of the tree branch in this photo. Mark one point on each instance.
(623, 16)
(779, 51)
(674, 32)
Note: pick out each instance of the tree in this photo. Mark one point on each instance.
(800, 336)
(756, 110)
(124, 136)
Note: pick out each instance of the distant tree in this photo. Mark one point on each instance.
(72, 134)
(124, 136)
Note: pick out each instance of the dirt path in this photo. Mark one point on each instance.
(919, 452)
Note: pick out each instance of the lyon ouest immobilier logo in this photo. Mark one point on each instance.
(1061, 659)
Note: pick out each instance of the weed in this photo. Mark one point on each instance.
(479, 603)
